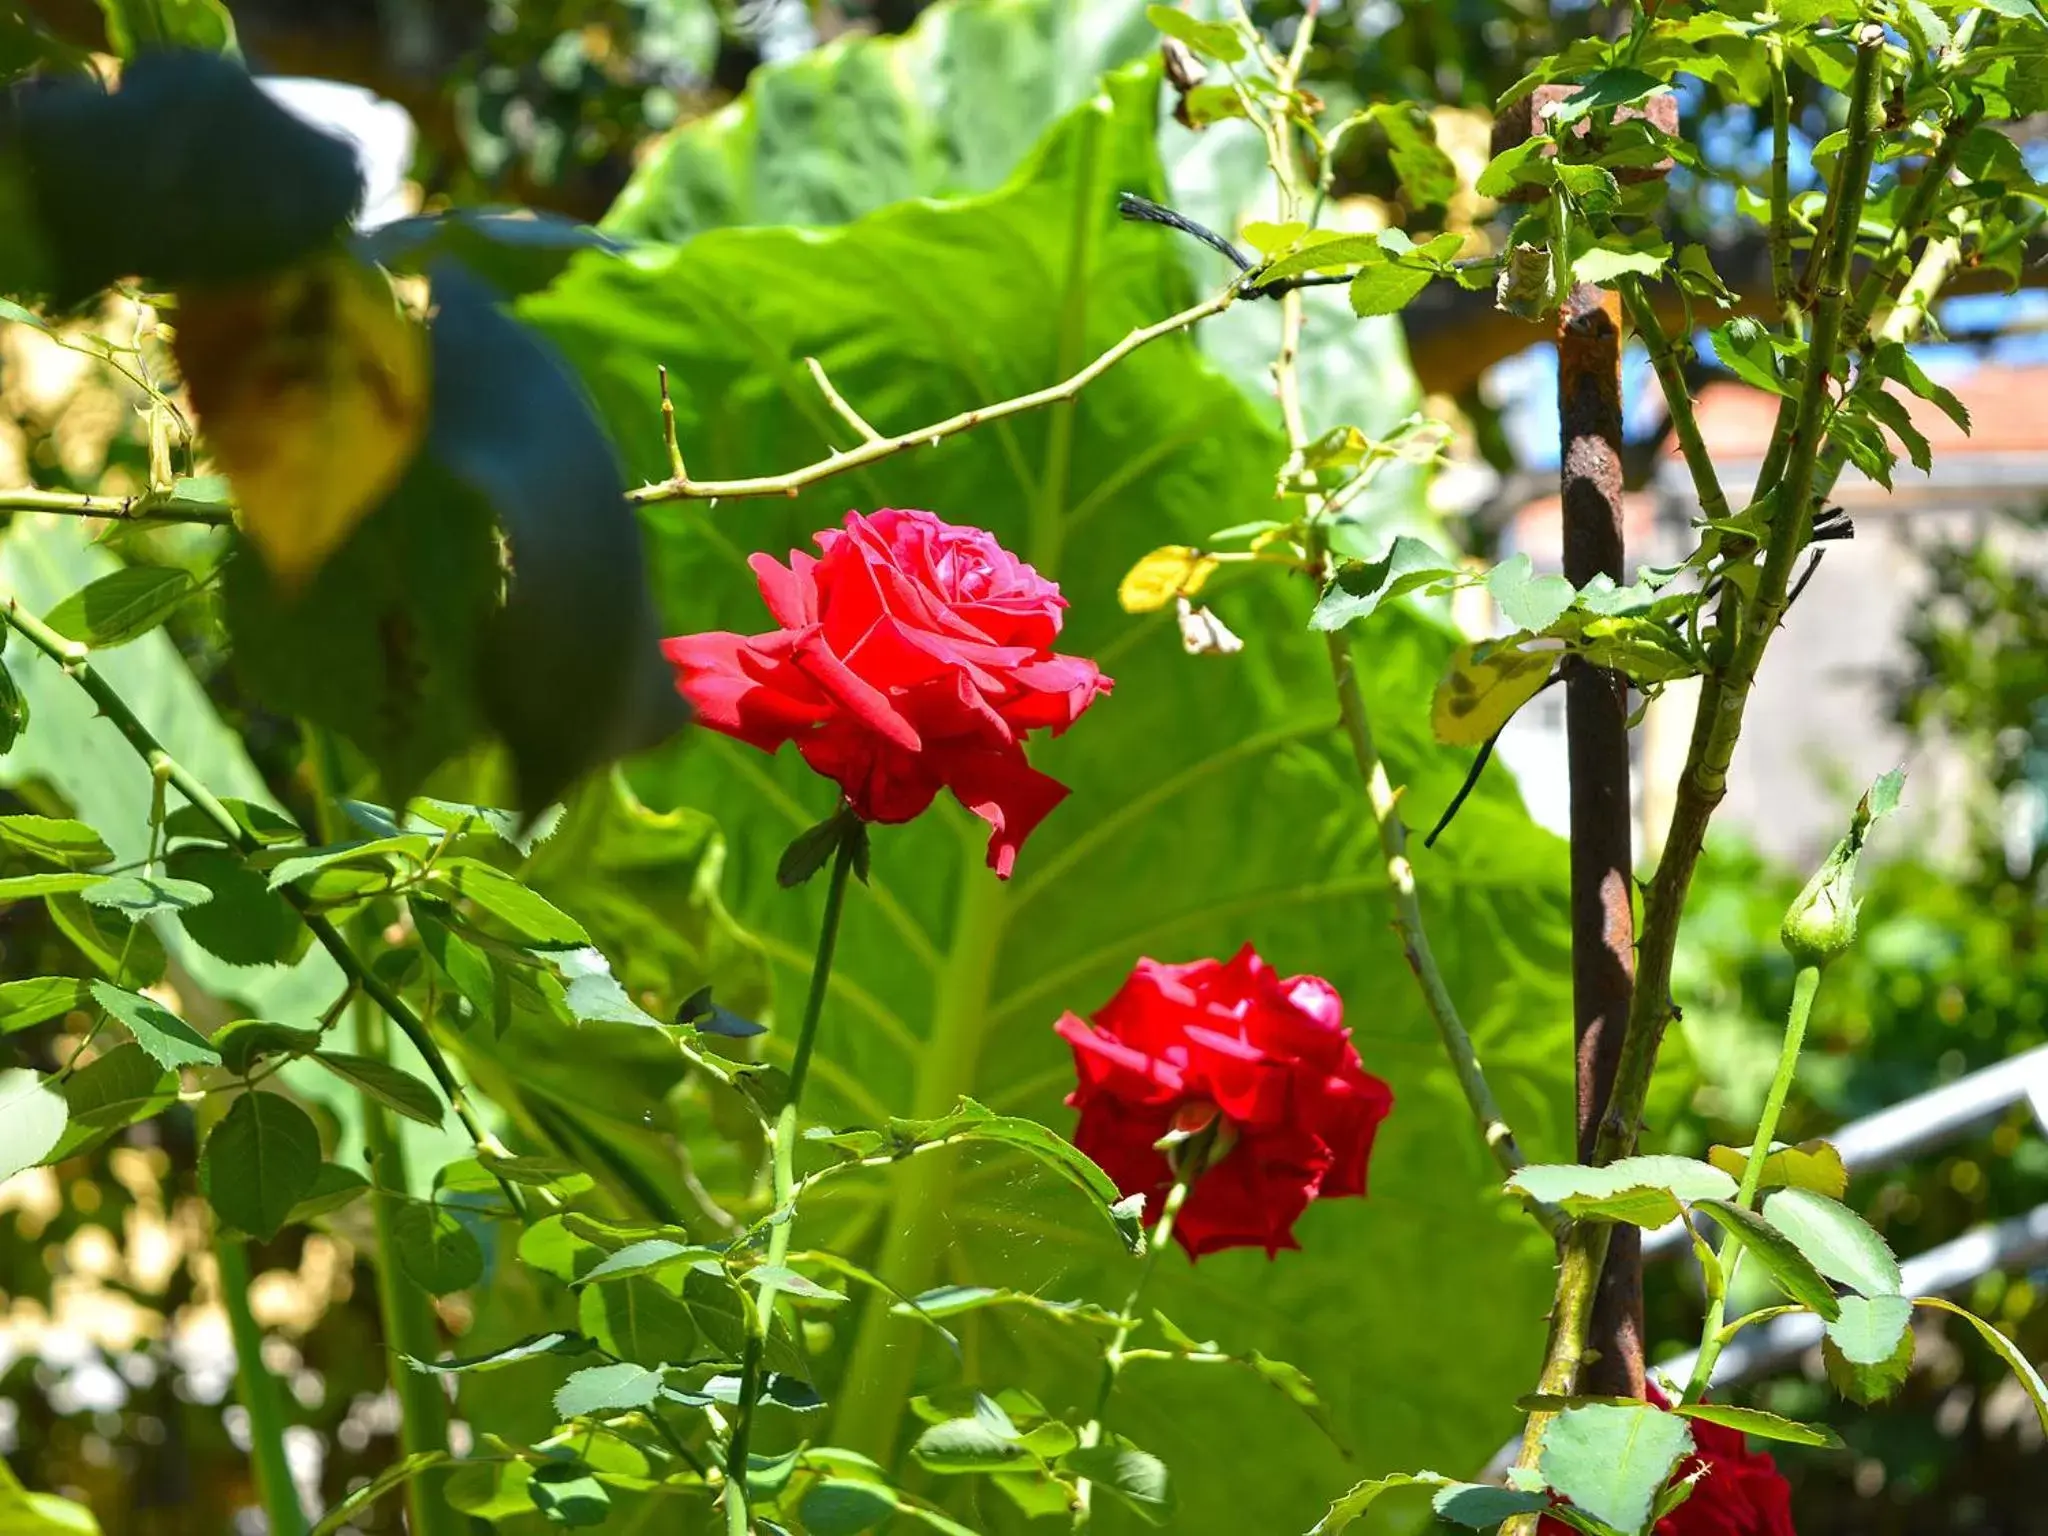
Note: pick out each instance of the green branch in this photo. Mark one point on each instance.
(1685, 424)
(150, 507)
(1703, 783)
(1494, 1129)
(257, 1389)
(73, 658)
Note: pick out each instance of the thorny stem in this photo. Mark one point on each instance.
(1381, 796)
(1685, 424)
(783, 1153)
(1114, 1357)
(1494, 1129)
(1781, 177)
(1703, 783)
(72, 658)
(1712, 1335)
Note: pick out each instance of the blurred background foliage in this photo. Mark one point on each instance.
(632, 112)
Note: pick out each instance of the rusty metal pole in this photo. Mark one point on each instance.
(1602, 864)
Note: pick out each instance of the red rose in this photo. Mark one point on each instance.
(1740, 1494)
(1271, 1056)
(913, 656)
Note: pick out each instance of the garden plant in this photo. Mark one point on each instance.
(812, 807)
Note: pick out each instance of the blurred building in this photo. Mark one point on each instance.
(1817, 728)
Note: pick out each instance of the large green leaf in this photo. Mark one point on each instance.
(1211, 806)
(948, 108)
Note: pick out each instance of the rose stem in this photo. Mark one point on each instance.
(1113, 1357)
(782, 1147)
(1804, 986)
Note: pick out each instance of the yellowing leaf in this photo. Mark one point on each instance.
(1811, 1165)
(1165, 574)
(312, 390)
(1486, 684)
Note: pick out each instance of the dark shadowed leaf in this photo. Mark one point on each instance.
(390, 1086)
(259, 1162)
(435, 1250)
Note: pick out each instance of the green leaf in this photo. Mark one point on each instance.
(1481, 1507)
(839, 1506)
(113, 1091)
(1765, 1426)
(1867, 1329)
(1360, 586)
(639, 1319)
(960, 1446)
(2001, 1346)
(407, 849)
(259, 1162)
(37, 999)
(136, 25)
(333, 1187)
(1137, 1477)
(1178, 745)
(1603, 93)
(1385, 289)
(434, 1249)
(1211, 39)
(390, 1086)
(1744, 348)
(244, 922)
(1526, 600)
(54, 840)
(644, 1256)
(519, 912)
(259, 821)
(532, 1347)
(1353, 1505)
(141, 895)
(400, 1472)
(14, 711)
(1893, 361)
(123, 606)
(1876, 1381)
(971, 1122)
(166, 1037)
(32, 1119)
(1777, 1253)
(245, 1042)
(1611, 1461)
(1427, 175)
(57, 883)
(557, 1177)
(1813, 1165)
(569, 1493)
(1643, 1191)
(947, 108)
(126, 951)
(607, 1389)
(1840, 1243)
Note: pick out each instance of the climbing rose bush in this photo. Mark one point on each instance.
(912, 656)
(1740, 1492)
(1268, 1054)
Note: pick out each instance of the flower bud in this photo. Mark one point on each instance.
(1822, 921)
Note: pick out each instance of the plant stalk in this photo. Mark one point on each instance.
(782, 1151)
(405, 1310)
(1712, 1335)
(258, 1390)
(74, 659)
(1380, 795)
(1113, 1357)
